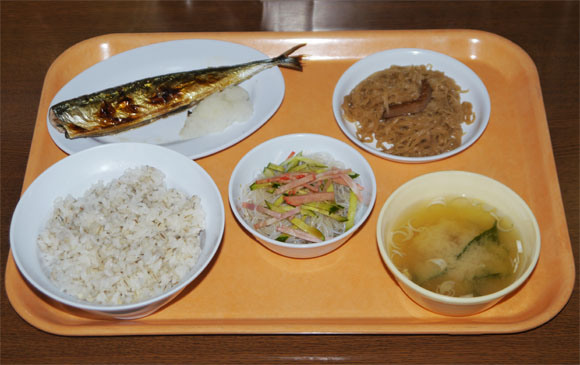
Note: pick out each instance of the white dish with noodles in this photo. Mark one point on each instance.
(302, 195)
(117, 230)
(472, 90)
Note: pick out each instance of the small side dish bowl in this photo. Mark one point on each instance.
(76, 174)
(275, 151)
(435, 186)
(475, 93)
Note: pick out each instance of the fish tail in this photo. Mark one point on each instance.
(292, 62)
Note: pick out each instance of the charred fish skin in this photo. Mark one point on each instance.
(141, 102)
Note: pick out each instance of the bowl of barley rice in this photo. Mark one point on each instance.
(117, 230)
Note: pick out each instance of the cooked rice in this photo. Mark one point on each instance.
(122, 242)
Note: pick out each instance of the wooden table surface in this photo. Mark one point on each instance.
(34, 33)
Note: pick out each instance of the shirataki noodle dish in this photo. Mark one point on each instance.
(304, 199)
(410, 111)
(122, 242)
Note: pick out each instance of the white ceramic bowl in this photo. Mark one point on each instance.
(452, 183)
(276, 150)
(464, 77)
(77, 173)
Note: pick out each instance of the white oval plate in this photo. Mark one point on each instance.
(266, 91)
(464, 77)
(77, 173)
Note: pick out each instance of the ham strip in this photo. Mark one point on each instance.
(248, 205)
(297, 200)
(331, 172)
(311, 187)
(353, 186)
(283, 177)
(297, 233)
(296, 183)
(281, 216)
(269, 212)
(339, 180)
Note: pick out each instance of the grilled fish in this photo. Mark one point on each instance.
(141, 102)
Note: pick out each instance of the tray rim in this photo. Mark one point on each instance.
(119, 328)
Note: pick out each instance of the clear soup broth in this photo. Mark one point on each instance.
(456, 246)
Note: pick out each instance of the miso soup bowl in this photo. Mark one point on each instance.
(459, 183)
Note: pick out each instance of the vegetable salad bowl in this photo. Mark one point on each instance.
(277, 150)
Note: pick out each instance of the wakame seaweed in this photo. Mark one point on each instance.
(493, 275)
(490, 235)
(439, 274)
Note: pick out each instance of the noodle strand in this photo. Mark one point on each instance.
(432, 131)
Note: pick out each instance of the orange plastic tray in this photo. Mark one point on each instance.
(248, 289)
